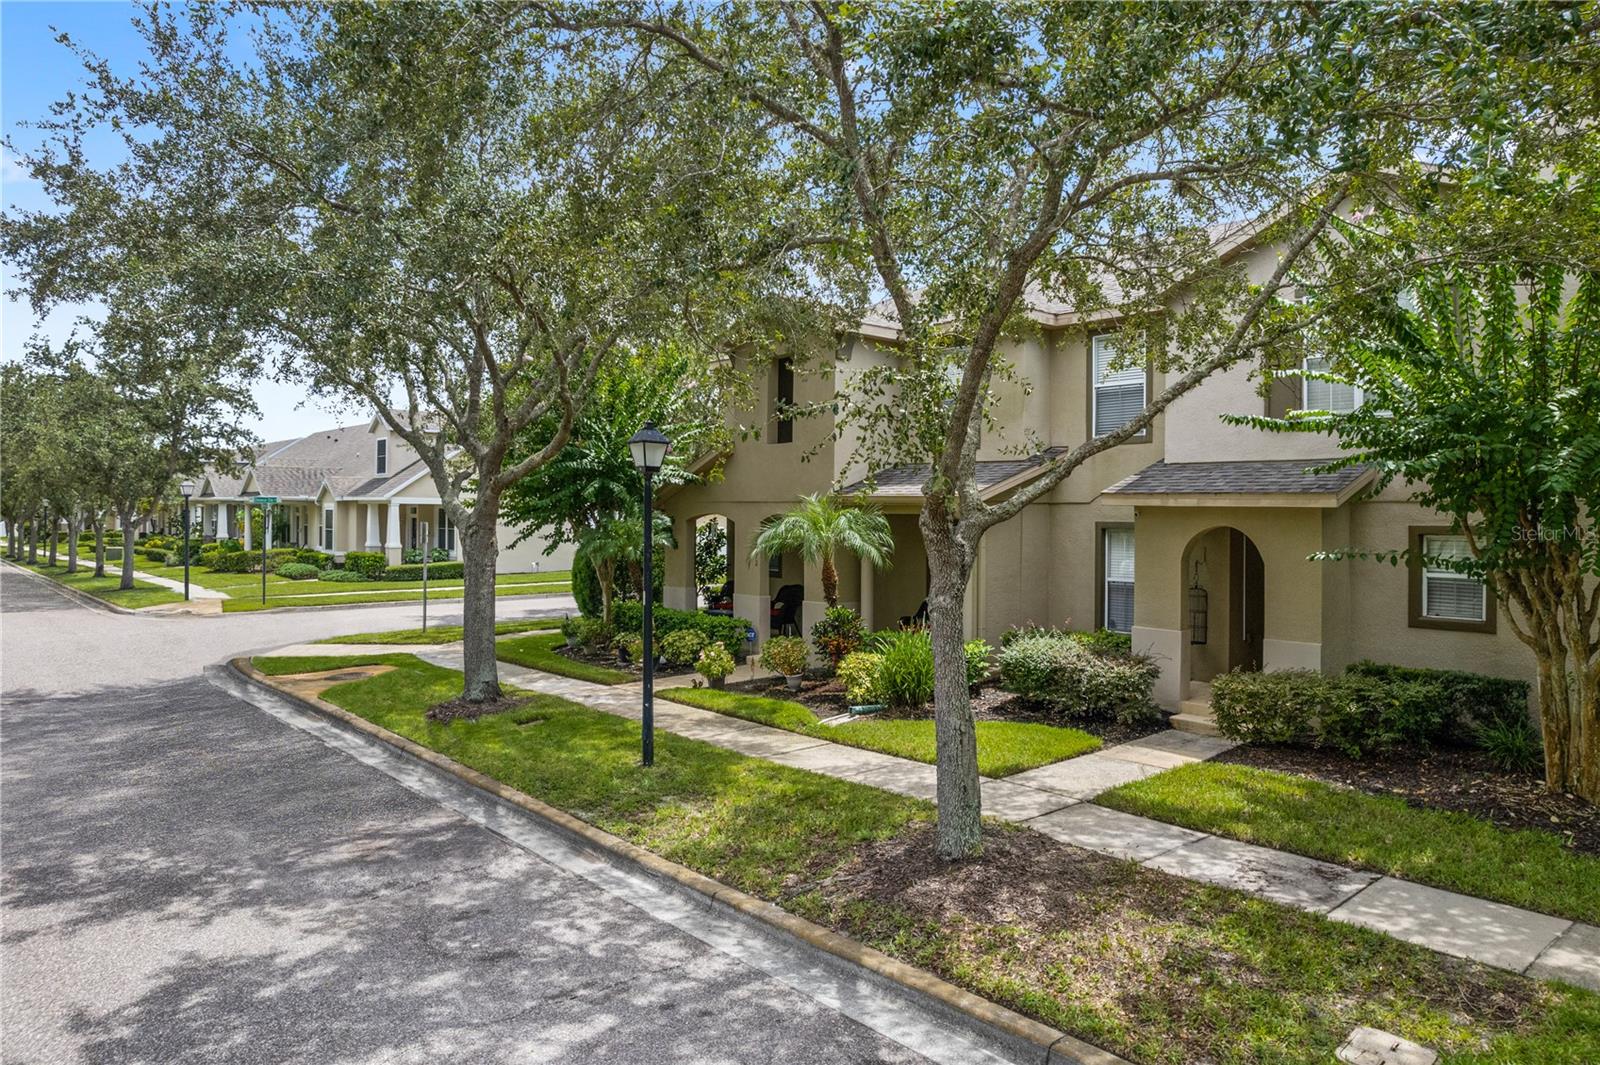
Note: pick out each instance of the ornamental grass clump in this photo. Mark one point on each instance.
(905, 672)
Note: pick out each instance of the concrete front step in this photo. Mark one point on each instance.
(1201, 723)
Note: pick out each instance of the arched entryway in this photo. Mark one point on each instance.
(1224, 605)
(712, 562)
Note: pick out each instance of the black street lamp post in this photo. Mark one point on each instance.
(649, 448)
(186, 489)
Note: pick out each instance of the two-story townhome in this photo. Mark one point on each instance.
(353, 488)
(1193, 538)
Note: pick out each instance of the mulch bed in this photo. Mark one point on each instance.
(461, 710)
(823, 695)
(609, 660)
(1457, 779)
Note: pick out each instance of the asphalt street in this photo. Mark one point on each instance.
(185, 877)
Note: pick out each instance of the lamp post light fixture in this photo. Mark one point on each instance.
(649, 449)
(186, 489)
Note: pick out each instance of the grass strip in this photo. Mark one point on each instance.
(1004, 747)
(539, 652)
(242, 601)
(1153, 967)
(443, 633)
(1456, 851)
(108, 588)
(241, 583)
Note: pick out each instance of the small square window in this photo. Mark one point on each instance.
(1332, 396)
(1442, 597)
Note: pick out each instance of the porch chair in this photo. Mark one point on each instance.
(785, 615)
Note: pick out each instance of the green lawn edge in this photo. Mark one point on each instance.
(538, 652)
(1004, 747)
(781, 833)
(243, 602)
(106, 589)
(1455, 851)
(443, 633)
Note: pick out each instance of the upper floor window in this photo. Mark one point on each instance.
(1119, 394)
(383, 456)
(1332, 396)
(1442, 597)
(783, 398)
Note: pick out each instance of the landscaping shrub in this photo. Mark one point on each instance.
(838, 633)
(729, 632)
(414, 556)
(312, 557)
(369, 564)
(1278, 707)
(233, 562)
(905, 674)
(1467, 700)
(713, 661)
(158, 556)
(785, 655)
(859, 674)
(114, 539)
(226, 544)
(978, 652)
(631, 645)
(297, 571)
(681, 646)
(1100, 641)
(437, 571)
(341, 576)
(1058, 670)
(595, 634)
(277, 556)
(1511, 743)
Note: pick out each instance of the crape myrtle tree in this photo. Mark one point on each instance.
(448, 212)
(972, 158)
(1484, 402)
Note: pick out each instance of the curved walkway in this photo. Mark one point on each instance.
(1054, 800)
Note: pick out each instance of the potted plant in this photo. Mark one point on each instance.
(786, 656)
(714, 663)
(569, 629)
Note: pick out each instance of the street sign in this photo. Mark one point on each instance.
(266, 500)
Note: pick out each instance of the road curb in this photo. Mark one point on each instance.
(1048, 1046)
(71, 593)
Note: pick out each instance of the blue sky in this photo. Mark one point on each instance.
(34, 72)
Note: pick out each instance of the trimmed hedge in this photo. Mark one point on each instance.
(1468, 700)
(629, 617)
(312, 557)
(1354, 713)
(297, 571)
(370, 564)
(1059, 670)
(233, 562)
(341, 576)
(437, 571)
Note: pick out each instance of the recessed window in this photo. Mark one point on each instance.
(1116, 545)
(783, 398)
(383, 457)
(1119, 394)
(1336, 397)
(1442, 597)
(327, 529)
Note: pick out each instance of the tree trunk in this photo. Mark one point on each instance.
(127, 554)
(481, 674)
(72, 542)
(602, 574)
(33, 541)
(99, 545)
(51, 520)
(960, 831)
(830, 582)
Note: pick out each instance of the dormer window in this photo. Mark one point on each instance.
(383, 457)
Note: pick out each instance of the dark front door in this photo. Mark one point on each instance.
(1245, 603)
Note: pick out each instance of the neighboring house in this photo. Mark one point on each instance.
(354, 488)
(1194, 538)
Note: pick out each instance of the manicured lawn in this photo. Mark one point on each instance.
(1153, 967)
(142, 594)
(242, 583)
(538, 652)
(283, 665)
(243, 601)
(443, 633)
(1450, 850)
(1004, 747)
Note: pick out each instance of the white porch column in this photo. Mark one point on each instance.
(266, 519)
(392, 544)
(373, 543)
(247, 509)
(220, 522)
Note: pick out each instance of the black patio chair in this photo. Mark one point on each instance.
(917, 620)
(785, 615)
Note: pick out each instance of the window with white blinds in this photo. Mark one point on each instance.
(1328, 395)
(1118, 393)
(1117, 544)
(1446, 594)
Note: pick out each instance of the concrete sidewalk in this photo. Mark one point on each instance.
(1054, 800)
(195, 590)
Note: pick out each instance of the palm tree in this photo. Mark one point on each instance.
(820, 527)
(617, 542)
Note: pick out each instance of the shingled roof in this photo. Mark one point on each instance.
(907, 480)
(1261, 477)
